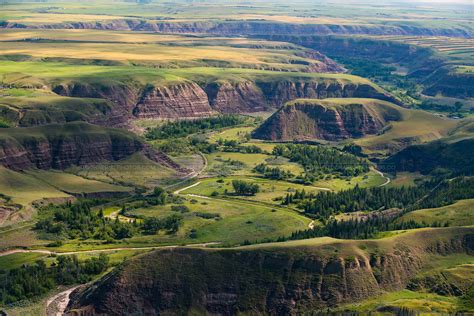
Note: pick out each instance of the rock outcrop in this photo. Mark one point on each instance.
(182, 100)
(279, 92)
(330, 119)
(288, 279)
(59, 146)
(122, 97)
(226, 97)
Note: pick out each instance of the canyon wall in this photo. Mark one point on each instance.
(189, 99)
(286, 279)
(182, 100)
(248, 28)
(59, 146)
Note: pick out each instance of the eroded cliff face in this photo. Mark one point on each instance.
(248, 28)
(226, 97)
(302, 120)
(59, 146)
(279, 92)
(182, 100)
(122, 97)
(265, 280)
(188, 99)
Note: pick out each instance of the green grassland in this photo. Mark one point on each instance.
(405, 179)
(238, 221)
(237, 133)
(416, 126)
(148, 49)
(24, 189)
(223, 164)
(16, 260)
(28, 187)
(35, 73)
(269, 189)
(70, 183)
(460, 213)
(426, 303)
(26, 107)
(136, 170)
(370, 179)
(20, 235)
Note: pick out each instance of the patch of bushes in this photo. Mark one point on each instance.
(245, 188)
(208, 215)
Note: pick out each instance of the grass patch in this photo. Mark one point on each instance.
(415, 127)
(16, 260)
(136, 170)
(24, 188)
(231, 221)
(269, 189)
(460, 213)
(75, 184)
(421, 302)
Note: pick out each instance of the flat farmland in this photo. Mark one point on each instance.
(166, 50)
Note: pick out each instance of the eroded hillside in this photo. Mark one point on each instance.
(286, 278)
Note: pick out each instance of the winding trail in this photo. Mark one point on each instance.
(56, 305)
(190, 176)
(49, 252)
(188, 187)
(387, 179)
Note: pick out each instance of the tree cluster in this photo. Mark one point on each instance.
(80, 221)
(30, 281)
(326, 204)
(273, 173)
(355, 228)
(151, 225)
(245, 188)
(321, 160)
(448, 192)
(184, 128)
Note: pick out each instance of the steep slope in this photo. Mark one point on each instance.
(39, 108)
(329, 119)
(207, 93)
(239, 97)
(181, 100)
(451, 82)
(282, 278)
(59, 146)
(457, 157)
